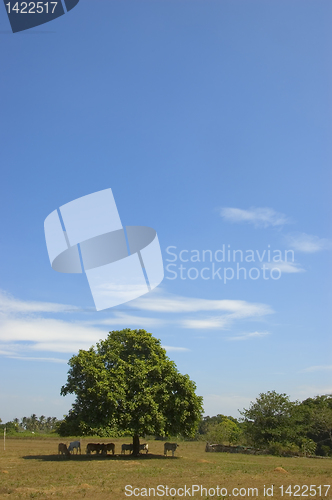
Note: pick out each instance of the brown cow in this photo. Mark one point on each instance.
(103, 448)
(110, 447)
(93, 447)
(100, 448)
(63, 450)
(127, 447)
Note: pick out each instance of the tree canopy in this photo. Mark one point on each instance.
(127, 384)
(317, 415)
(269, 419)
(226, 431)
(31, 424)
(274, 422)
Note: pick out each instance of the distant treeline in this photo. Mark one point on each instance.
(275, 423)
(33, 423)
(272, 422)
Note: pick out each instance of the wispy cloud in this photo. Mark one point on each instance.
(318, 368)
(9, 305)
(225, 311)
(7, 351)
(251, 335)
(47, 360)
(25, 331)
(44, 334)
(285, 267)
(307, 243)
(129, 320)
(177, 304)
(175, 349)
(206, 323)
(259, 217)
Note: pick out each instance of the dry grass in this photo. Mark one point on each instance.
(31, 468)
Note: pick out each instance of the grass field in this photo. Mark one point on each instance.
(31, 468)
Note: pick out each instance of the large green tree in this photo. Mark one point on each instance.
(272, 418)
(127, 384)
(317, 416)
(225, 432)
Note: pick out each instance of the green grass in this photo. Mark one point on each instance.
(31, 468)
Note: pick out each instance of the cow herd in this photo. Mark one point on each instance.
(130, 447)
(102, 448)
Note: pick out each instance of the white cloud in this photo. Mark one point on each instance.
(247, 336)
(23, 334)
(42, 329)
(173, 348)
(232, 310)
(43, 334)
(284, 266)
(128, 320)
(5, 351)
(48, 360)
(23, 329)
(307, 243)
(259, 217)
(318, 368)
(206, 323)
(176, 304)
(9, 305)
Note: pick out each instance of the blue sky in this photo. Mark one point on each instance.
(211, 122)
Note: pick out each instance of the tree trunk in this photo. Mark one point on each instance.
(136, 445)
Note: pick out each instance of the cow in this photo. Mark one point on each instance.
(63, 450)
(73, 445)
(93, 447)
(145, 447)
(110, 447)
(126, 447)
(170, 447)
(103, 449)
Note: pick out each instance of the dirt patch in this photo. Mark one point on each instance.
(280, 469)
(85, 486)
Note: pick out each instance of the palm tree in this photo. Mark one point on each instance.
(33, 422)
(24, 423)
(41, 423)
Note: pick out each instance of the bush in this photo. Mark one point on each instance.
(279, 449)
(325, 451)
(223, 432)
(308, 447)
